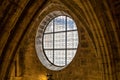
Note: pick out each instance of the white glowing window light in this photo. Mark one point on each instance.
(60, 41)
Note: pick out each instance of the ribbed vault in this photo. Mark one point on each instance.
(19, 20)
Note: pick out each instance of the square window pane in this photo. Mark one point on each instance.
(59, 41)
(70, 55)
(59, 23)
(59, 57)
(71, 24)
(72, 39)
(48, 41)
(49, 55)
(49, 27)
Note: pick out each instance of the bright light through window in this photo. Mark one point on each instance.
(60, 40)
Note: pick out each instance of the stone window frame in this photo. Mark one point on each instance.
(39, 38)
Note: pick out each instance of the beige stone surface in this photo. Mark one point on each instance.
(98, 54)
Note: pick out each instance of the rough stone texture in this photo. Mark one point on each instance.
(98, 54)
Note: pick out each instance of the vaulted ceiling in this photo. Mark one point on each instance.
(100, 18)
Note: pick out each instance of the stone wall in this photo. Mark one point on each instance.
(98, 54)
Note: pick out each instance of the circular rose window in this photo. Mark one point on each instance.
(57, 43)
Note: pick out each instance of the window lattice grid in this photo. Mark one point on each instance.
(60, 23)
(49, 27)
(70, 55)
(59, 57)
(60, 40)
(49, 55)
(72, 39)
(48, 41)
(71, 24)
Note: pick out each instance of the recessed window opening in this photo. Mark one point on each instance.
(56, 40)
(60, 41)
